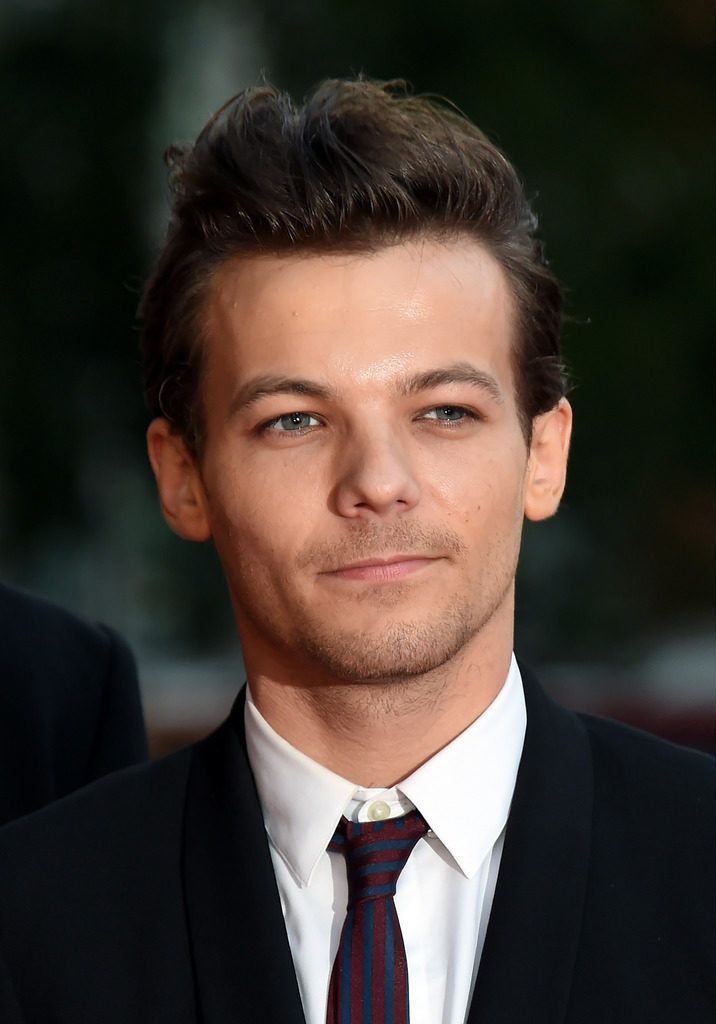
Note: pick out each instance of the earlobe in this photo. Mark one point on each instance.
(181, 491)
(547, 465)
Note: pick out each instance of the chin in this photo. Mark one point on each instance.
(401, 651)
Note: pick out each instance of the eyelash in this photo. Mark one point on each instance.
(265, 428)
(468, 415)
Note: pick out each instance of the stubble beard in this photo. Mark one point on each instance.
(399, 651)
(403, 665)
(387, 660)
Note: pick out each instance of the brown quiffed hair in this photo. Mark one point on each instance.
(359, 165)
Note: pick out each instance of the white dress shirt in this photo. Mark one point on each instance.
(445, 890)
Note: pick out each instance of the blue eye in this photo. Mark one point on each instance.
(292, 422)
(447, 413)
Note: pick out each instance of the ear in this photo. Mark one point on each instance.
(181, 491)
(547, 464)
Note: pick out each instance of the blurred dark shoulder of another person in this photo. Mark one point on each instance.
(69, 703)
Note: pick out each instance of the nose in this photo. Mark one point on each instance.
(375, 477)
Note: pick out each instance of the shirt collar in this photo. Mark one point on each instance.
(463, 792)
(302, 801)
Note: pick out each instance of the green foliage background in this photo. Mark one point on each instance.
(603, 107)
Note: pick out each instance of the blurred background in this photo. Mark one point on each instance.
(605, 110)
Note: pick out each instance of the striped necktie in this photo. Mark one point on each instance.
(369, 981)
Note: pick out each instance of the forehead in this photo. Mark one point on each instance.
(358, 319)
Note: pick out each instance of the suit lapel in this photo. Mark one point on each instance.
(242, 960)
(527, 963)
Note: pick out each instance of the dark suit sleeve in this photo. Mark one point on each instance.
(120, 739)
(69, 703)
(10, 1012)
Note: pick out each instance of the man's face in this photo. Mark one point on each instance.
(364, 472)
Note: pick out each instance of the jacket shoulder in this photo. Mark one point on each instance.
(646, 941)
(70, 708)
(28, 619)
(641, 759)
(92, 922)
(54, 664)
(140, 806)
(653, 805)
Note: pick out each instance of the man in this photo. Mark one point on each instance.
(352, 358)
(69, 704)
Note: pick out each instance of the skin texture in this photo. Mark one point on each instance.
(365, 479)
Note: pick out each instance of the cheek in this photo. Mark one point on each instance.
(257, 520)
(480, 492)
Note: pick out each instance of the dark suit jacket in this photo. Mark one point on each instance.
(69, 704)
(149, 898)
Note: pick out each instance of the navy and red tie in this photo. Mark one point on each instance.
(369, 981)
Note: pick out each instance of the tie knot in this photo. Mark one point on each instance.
(376, 853)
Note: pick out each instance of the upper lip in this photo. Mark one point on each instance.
(378, 560)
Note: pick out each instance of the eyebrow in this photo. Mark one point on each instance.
(265, 386)
(456, 373)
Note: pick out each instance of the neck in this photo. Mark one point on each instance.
(376, 734)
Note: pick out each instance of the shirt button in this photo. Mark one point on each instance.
(378, 810)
